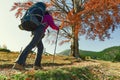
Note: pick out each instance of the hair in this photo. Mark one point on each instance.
(47, 13)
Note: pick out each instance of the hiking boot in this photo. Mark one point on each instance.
(18, 67)
(37, 67)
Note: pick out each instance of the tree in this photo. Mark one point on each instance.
(95, 19)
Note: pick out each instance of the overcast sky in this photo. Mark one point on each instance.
(14, 38)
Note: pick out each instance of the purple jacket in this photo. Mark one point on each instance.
(49, 22)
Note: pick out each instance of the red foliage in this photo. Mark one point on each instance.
(95, 15)
(20, 7)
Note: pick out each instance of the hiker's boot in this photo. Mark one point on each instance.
(18, 67)
(37, 67)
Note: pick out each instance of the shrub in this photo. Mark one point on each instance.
(117, 58)
(4, 50)
(87, 58)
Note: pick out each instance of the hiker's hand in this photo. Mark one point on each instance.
(60, 27)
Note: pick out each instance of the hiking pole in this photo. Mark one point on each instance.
(55, 46)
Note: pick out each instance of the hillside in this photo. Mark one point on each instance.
(66, 52)
(110, 54)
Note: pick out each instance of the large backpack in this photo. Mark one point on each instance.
(33, 17)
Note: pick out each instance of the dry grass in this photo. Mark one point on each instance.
(7, 60)
(109, 68)
(10, 58)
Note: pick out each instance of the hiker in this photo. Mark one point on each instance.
(38, 34)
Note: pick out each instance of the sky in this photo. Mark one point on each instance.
(15, 39)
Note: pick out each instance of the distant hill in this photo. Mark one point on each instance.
(109, 54)
(67, 52)
(112, 53)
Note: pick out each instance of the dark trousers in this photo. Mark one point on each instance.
(36, 41)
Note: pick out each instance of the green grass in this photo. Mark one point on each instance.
(2, 77)
(73, 73)
(67, 74)
(57, 74)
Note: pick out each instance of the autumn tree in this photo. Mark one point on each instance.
(95, 19)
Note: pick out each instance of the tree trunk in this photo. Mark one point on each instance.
(74, 41)
(74, 44)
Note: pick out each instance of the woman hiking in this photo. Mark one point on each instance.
(36, 41)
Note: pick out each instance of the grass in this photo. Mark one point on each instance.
(64, 68)
(72, 73)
